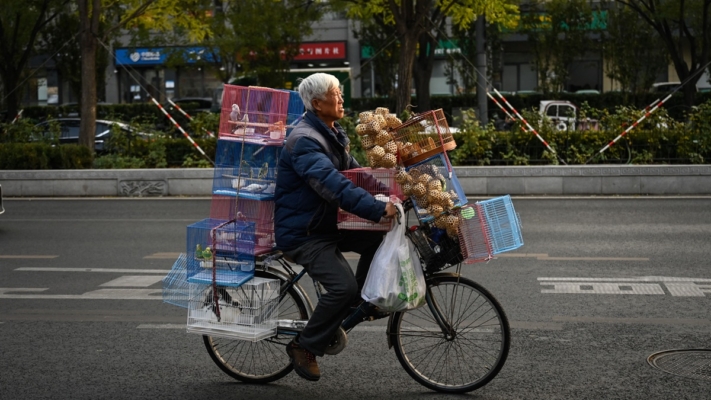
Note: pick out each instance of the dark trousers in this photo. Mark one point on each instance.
(324, 262)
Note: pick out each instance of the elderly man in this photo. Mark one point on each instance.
(309, 191)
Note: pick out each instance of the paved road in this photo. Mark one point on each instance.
(600, 284)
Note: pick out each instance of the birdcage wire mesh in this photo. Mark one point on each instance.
(379, 182)
(259, 212)
(295, 111)
(503, 226)
(245, 169)
(253, 113)
(175, 285)
(423, 136)
(248, 312)
(473, 238)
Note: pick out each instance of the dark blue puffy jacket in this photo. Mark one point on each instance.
(310, 188)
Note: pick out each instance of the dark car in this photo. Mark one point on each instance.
(69, 131)
(204, 104)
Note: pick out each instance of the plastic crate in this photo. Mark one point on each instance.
(473, 237)
(436, 167)
(423, 136)
(254, 113)
(379, 182)
(261, 213)
(295, 111)
(231, 253)
(502, 224)
(248, 312)
(245, 169)
(175, 284)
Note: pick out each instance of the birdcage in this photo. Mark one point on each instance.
(220, 250)
(254, 113)
(473, 237)
(261, 213)
(423, 136)
(248, 312)
(295, 111)
(502, 224)
(434, 188)
(175, 284)
(379, 182)
(245, 169)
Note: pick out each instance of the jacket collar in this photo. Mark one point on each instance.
(312, 119)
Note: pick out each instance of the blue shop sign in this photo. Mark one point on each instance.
(159, 55)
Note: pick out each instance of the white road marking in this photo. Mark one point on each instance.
(162, 256)
(101, 294)
(26, 257)
(677, 286)
(134, 281)
(603, 288)
(110, 270)
(546, 257)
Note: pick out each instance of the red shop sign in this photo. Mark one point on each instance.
(321, 51)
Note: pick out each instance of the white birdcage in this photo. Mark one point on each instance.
(248, 312)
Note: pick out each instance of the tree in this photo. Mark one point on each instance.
(685, 28)
(188, 17)
(20, 24)
(413, 19)
(382, 41)
(558, 31)
(62, 34)
(266, 39)
(626, 35)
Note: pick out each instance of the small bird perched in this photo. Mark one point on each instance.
(234, 116)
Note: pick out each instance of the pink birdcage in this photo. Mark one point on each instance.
(423, 136)
(259, 212)
(474, 241)
(253, 113)
(379, 182)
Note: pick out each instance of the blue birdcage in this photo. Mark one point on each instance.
(220, 250)
(437, 167)
(175, 284)
(244, 169)
(295, 111)
(502, 224)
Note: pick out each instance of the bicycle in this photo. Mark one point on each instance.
(457, 343)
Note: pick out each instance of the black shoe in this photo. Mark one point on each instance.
(304, 361)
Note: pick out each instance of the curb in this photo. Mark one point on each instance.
(476, 181)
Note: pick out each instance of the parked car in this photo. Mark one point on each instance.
(69, 131)
(564, 116)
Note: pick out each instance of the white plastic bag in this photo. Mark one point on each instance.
(395, 281)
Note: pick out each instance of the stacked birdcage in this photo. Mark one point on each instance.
(502, 224)
(248, 312)
(422, 137)
(175, 289)
(220, 251)
(379, 182)
(295, 111)
(253, 113)
(433, 186)
(245, 169)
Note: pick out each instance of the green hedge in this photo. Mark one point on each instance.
(44, 156)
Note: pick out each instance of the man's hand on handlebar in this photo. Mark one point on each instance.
(390, 210)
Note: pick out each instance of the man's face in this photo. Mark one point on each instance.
(331, 108)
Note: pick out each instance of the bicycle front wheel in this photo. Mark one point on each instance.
(464, 352)
(263, 361)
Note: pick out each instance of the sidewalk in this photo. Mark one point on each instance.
(476, 181)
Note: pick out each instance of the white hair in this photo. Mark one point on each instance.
(316, 86)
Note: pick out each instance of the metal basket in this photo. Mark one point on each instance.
(423, 136)
(248, 312)
(437, 250)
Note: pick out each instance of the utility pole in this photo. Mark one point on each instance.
(482, 74)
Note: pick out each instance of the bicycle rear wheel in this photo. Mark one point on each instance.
(469, 355)
(263, 361)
